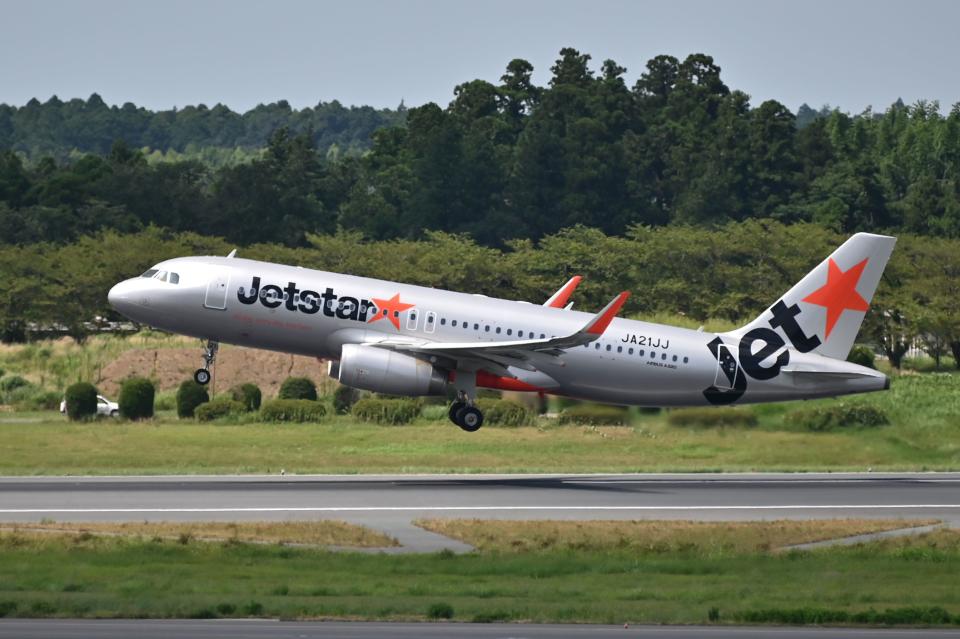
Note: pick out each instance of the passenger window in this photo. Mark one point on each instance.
(653, 355)
(431, 323)
(640, 352)
(498, 330)
(598, 347)
(412, 321)
(476, 327)
(519, 333)
(509, 331)
(619, 349)
(630, 351)
(686, 359)
(453, 323)
(608, 347)
(466, 326)
(674, 358)
(664, 357)
(443, 321)
(542, 336)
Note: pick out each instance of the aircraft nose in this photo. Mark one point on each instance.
(122, 296)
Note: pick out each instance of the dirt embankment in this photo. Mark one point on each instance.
(168, 367)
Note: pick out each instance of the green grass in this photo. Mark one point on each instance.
(57, 364)
(922, 435)
(91, 576)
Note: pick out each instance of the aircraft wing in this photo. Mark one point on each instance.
(560, 298)
(525, 354)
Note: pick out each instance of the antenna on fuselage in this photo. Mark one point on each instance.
(232, 253)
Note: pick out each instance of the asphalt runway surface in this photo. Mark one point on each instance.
(244, 629)
(390, 503)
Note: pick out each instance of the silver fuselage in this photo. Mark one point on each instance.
(633, 362)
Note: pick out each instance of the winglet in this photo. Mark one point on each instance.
(602, 320)
(559, 299)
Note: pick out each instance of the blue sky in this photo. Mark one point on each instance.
(850, 54)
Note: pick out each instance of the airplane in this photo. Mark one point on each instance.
(401, 339)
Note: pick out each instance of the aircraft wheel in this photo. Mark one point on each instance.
(201, 376)
(470, 419)
(455, 408)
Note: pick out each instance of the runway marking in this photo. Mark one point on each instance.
(337, 509)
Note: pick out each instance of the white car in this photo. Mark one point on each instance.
(104, 407)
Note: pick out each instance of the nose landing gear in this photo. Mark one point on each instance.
(465, 415)
(202, 375)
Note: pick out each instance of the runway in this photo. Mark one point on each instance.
(263, 629)
(390, 503)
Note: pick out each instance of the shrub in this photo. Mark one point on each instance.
(189, 396)
(503, 412)
(298, 388)
(862, 355)
(840, 416)
(247, 394)
(12, 382)
(292, 410)
(434, 412)
(385, 411)
(217, 408)
(711, 417)
(136, 398)
(344, 397)
(594, 415)
(81, 401)
(441, 610)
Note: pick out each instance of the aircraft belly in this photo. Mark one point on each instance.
(630, 380)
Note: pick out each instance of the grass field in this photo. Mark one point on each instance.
(924, 434)
(497, 535)
(313, 533)
(907, 580)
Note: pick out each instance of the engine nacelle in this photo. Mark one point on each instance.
(385, 371)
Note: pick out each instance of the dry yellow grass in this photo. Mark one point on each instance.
(314, 533)
(654, 536)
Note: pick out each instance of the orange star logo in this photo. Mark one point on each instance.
(390, 309)
(839, 293)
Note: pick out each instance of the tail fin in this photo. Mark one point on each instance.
(824, 311)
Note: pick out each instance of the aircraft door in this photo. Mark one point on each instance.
(216, 297)
(726, 368)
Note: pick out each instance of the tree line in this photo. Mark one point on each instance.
(691, 274)
(57, 128)
(502, 161)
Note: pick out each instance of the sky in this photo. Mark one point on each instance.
(847, 53)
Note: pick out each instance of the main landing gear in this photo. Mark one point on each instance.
(465, 415)
(202, 375)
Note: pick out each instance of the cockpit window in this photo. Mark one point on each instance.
(174, 278)
(150, 273)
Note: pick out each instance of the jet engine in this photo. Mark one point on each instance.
(385, 371)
